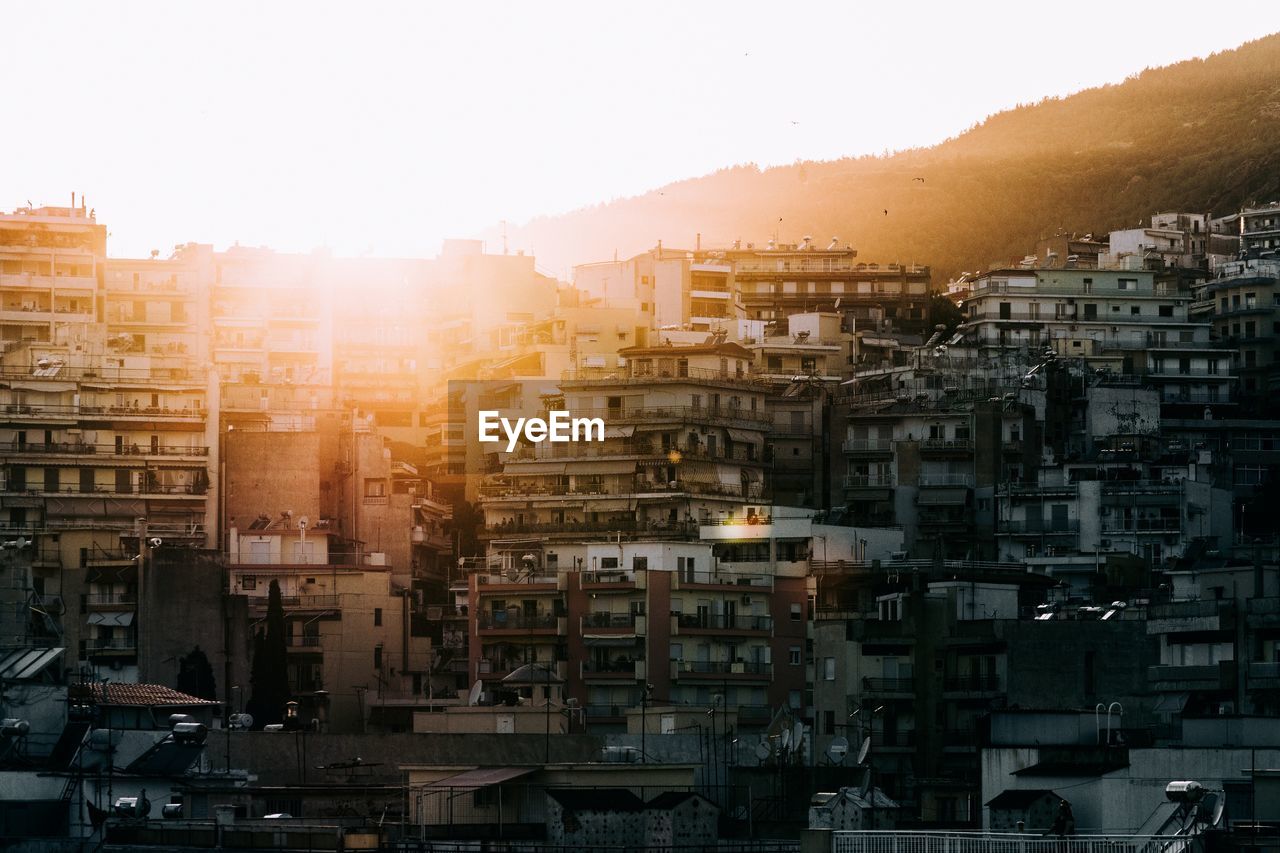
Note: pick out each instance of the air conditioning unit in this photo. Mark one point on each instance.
(746, 600)
(1104, 543)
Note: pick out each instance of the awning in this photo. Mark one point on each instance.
(619, 431)
(481, 777)
(605, 466)
(743, 435)
(117, 619)
(530, 469)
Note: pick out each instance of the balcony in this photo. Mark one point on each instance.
(721, 623)
(606, 713)
(70, 412)
(101, 647)
(1142, 525)
(305, 642)
(1263, 613)
(505, 623)
(721, 581)
(111, 600)
(615, 670)
(946, 480)
(1191, 616)
(946, 447)
(605, 376)
(1219, 676)
(611, 624)
(1038, 529)
(868, 481)
(867, 446)
(901, 686)
(721, 670)
(487, 584)
(258, 603)
(1263, 675)
(971, 684)
(751, 419)
(105, 451)
(612, 580)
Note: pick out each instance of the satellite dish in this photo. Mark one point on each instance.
(838, 749)
(786, 738)
(864, 750)
(865, 787)
(838, 298)
(797, 735)
(1219, 805)
(473, 698)
(762, 751)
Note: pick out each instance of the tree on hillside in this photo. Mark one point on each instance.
(944, 312)
(269, 676)
(195, 675)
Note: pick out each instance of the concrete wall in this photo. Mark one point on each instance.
(1071, 664)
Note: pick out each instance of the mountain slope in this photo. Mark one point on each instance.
(1201, 135)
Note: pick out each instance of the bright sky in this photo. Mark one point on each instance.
(383, 127)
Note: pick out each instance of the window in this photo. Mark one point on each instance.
(1136, 310)
(1166, 310)
(377, 617)
(377, 657)
(249, 582)
(796, 612)
(829, 722)
(375, 488)
(1127, 284)
(829, 669)
(639, 563)
(793, 656)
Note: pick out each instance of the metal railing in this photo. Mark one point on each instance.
(867, 445)
(920, 841)
(80, 448)
(859, 481)
(687, 578)
(612, 621)
(500, 620)
(724, 622)
(711, 667)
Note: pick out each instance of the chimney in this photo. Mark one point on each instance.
(697, 242)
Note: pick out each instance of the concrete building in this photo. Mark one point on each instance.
(1120, 320)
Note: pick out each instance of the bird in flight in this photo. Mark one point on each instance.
(886, 213)
(921, 180)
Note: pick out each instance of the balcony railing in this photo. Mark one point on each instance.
(867, 481)
(689, 579)
(622, 376)
(920, 841)
(609, 621)
(500, 620)
(971, 683)
(302, 641)
(51, 410)
(867, 445)
(614, 668)
(705, 667)
(964, 445)
(724, 622)
(758, 419)
(79, 448)
(127, 645)
(889, 685)
(107, 599)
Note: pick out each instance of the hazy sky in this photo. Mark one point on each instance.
(384, 127)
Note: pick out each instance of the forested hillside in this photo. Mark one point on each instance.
(1202, 135)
